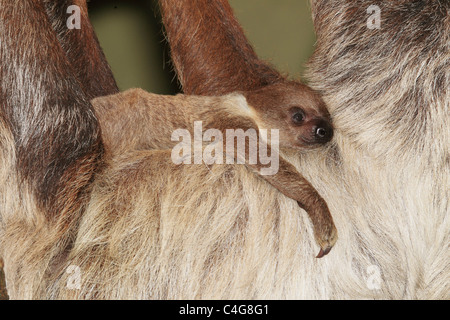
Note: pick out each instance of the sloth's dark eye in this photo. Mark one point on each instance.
(298, 117)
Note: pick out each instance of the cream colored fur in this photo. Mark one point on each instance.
(156, 230)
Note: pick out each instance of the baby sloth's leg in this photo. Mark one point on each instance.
(286, 179)
(136, 119)
(292, 184)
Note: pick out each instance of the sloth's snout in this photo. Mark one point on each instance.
(316, 131)
(322, 131)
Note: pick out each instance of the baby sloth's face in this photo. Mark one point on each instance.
(306, 128)
(296, 110)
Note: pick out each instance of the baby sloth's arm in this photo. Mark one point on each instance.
(136, 119)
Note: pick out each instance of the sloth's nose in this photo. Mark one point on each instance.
(323, 131)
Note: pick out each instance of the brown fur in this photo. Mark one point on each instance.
(3, 292)
(200, 68)
(138, 120)
(155, 230)
(82, 49)
(46, 108)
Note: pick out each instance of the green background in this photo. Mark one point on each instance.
(130, 34)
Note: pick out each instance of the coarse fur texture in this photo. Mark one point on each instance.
(152, 229)
(139, 120)
(51, 146)
(81, 48)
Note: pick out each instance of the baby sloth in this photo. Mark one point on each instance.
(136, 119)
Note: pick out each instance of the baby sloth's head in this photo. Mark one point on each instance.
(296, 110)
